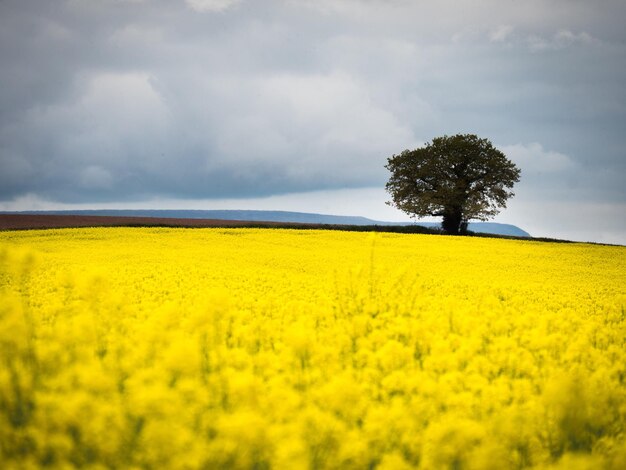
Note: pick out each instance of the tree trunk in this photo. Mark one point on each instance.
(453, 223)
(463, 228)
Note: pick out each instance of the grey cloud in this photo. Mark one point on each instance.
(117, 100)
(211, 5)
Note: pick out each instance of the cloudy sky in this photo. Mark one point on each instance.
(297, 104)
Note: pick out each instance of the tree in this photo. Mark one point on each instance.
(459, 178)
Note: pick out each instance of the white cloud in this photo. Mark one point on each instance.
(114, 110)
(116, 121)
(307, 124)
(210, 6)
(134, 35)
(365, 202)
(27, 202)
(466, 35)
(562, 39)
(568, 220)
(340, 107)
(534, 158)
(501, 33)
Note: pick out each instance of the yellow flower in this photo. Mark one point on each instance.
(240, 348)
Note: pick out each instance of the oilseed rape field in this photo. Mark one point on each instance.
(159, 348)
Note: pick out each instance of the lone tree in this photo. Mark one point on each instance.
(459, 178)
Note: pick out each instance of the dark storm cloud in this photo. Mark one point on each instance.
(113, 100)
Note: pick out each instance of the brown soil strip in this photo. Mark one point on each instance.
(42, 221)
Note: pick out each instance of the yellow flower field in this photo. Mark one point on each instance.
(155, 348)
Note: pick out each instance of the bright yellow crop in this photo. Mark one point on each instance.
(239, 348)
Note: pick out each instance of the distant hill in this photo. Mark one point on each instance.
(281, 216)
(487, 227)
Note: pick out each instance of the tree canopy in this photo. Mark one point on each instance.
(459, 178)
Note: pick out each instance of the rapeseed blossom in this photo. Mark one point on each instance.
(259, 348)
